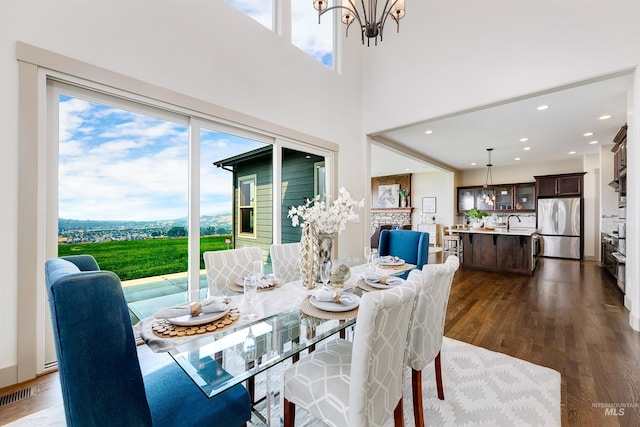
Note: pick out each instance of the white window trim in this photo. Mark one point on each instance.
(253, 178)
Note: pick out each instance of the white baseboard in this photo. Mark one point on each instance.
(8, 376)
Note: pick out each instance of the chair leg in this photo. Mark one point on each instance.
(398, 416)
(289, 413)
(416, 386)
(438, 367)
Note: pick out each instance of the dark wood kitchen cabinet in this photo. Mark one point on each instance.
(506, 253)
(509, 198)
(568, 184)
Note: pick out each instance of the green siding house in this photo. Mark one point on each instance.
(302, 178)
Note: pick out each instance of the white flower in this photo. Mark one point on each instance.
(327, 218)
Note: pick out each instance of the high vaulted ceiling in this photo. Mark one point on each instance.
(458, 140)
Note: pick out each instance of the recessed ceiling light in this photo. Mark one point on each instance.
(542, 107)
(593, 142)
(517, 158)
(587, 134)
(605, 117)
(572, 152)
(524, 139)
(473, 163)
(428, 132)
(527, 148)
(407, 169)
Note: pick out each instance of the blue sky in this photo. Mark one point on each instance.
(119, 165)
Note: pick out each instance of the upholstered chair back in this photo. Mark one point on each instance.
(225, 267)
(285, 261)
(379, 354)
(97, 360)
(412, 246)
(434, 286)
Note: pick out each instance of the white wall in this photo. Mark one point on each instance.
(433, 184)
(454, 55)
(204, 49)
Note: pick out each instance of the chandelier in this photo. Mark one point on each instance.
(371, 23)
(488, 194)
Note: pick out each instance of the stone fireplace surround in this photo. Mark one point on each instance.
(395, 216)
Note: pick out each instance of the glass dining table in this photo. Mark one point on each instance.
(219, 360)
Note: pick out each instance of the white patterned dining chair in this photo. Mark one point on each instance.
(433, 284)
(357, 383)
(285, 261)
(226, 266)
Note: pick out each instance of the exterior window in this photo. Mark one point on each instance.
(246, 204)
(313, 38)
(259, 10)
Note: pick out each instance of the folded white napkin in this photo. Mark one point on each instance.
(208, 305)
(325, 294)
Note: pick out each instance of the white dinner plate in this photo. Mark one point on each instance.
(390, 261)
(347, 302)
(266, 282)
(189, 320)
(391, 281)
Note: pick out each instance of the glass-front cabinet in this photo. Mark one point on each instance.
(483, 199)
(466, 198)
(508, 198)
(504, 198)
(525, 197)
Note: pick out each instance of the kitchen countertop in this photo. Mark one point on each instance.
(513, 231)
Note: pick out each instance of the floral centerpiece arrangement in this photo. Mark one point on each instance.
(321, 222)
(327, 218)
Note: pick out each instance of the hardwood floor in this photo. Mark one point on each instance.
(568, 316)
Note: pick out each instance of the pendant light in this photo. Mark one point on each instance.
(488, 193)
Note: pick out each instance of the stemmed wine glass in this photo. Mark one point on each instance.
(250, 293)
(367, 255)
(325, 273)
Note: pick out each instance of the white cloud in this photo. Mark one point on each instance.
(120, 165)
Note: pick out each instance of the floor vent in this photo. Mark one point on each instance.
(16, 396)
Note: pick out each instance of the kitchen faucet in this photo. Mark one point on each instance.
(509, 217)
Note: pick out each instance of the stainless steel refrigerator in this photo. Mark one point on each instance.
(559, 221)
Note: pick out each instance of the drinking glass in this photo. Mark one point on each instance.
(375, 260)
(258, 269)
(250, 293)
(325, 273)
(367, 255)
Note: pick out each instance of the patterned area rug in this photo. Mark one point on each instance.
(481, 388)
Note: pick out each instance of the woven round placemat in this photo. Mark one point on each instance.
(310, 310)
(365, 287)
(395, 267)
(237, 288)
(165, 329)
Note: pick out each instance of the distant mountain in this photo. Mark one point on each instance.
(83, 224)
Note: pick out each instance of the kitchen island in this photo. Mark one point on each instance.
(499, 249)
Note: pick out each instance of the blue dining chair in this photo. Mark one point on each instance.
(411, 246)
(100, 376)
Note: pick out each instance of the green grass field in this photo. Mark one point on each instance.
(134, 259)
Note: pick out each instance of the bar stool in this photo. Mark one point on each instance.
(451, 243)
